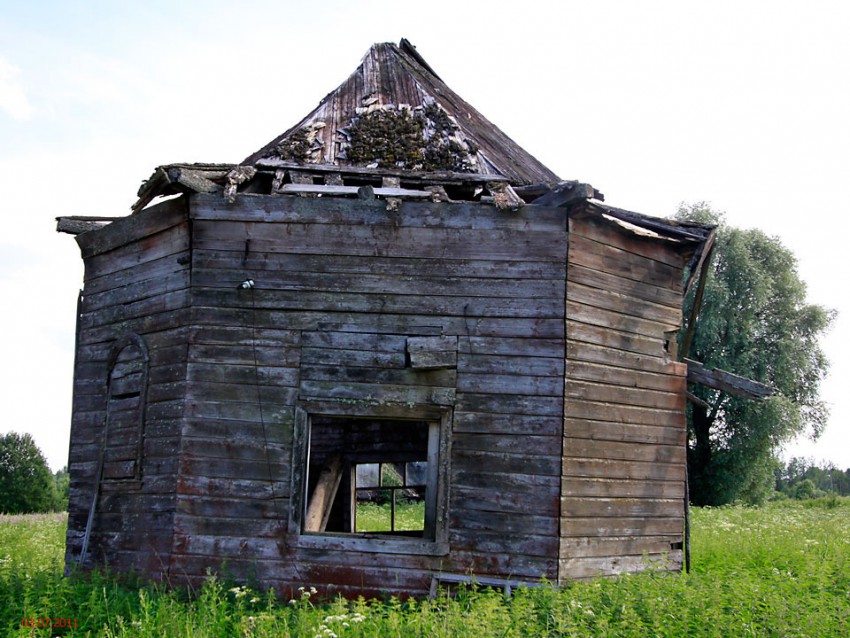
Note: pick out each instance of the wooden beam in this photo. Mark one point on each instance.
(727, 382)
(566, 192)
(319, 509)
(407, 175)
(332, 189)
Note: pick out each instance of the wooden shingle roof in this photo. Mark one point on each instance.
(394, 112)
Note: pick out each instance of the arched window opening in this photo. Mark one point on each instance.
(125, 411)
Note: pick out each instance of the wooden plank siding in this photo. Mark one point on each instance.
(563, 413)
(340, 285)
(136, 282)
(623, 463)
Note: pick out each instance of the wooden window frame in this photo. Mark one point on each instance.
(436, 506)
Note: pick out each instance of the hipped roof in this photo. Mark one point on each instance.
(395, 78)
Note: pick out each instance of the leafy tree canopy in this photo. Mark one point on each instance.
(754, 322)
(26, 483)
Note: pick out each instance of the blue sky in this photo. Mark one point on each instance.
(744, 105)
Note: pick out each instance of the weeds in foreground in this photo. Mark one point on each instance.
(782, 570)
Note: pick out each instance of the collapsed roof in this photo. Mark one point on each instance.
(393, 129)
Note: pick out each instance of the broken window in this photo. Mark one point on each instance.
(371, 476)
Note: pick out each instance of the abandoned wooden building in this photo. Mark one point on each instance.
(388, 350)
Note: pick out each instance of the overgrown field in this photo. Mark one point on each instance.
(783, 570)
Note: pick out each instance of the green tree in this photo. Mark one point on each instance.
(26, 484)
(62, 484)
(754, 322)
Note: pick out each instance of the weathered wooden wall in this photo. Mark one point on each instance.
(564, 456)
(340, 285)
(622, 487)
(138, 287)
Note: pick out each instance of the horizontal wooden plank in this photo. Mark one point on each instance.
(526, 346)
(631, 361)
(624, 377)
(339, 190)
(621, 395)
(241, 411)
(190, 486)
(614, 261)
(622, 488)
(506, 523)
(242, 374)
(232, 509)
(271, 396)
(517, 444)
(627, 451)
(244, 335)
(584, 568)
(583, 506)
(389, 284)
(146, 311)
(513, 404)
(544, 329)
(133, 227)
(242, 432)
(510, 385)
(131, 271)
(226, 547)
(488, 478)
(135, 292)
(579, 274)
(628, 432)
(259, 262)
(509, 463)
(377, 342)
(513, 365)
(653, 346)
(621, 526)
(376, 392)
(605, 318)
(611, 233)
(500, 423)
(599, 411)
(359, 302)
(395, 376)
(353, 358)
(228, 468)
(577, 547)
(382, 240)
(618, 469)
(498, 502)
(624, 304)
(274, 209)
(283, 356)
(500, 544)
(185, 524)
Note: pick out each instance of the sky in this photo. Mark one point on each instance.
(745, 105)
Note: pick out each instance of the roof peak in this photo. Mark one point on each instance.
(395, 112)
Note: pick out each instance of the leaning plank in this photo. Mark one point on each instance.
(319, 509)
(727, 382)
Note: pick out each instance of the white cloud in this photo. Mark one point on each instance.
(13, 99)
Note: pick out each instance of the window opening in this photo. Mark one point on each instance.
(371, 476)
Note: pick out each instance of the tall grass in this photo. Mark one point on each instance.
(778, 571)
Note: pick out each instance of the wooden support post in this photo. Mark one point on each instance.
(319, 509)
